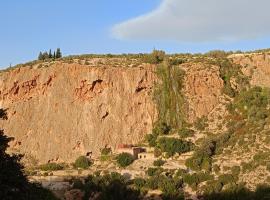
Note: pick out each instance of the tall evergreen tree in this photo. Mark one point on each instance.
(45, 55)
(50, 54)
(54, 56)
(58, 53)
(40, 56)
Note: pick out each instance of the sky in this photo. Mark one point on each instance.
(130, 26)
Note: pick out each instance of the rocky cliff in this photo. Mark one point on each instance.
(66, 110)
(61, 110)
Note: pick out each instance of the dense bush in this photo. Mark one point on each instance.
(202, 158)
(151, 139)
(196, 178)
(185, 132)
(159, 163)
(124, 159)
(173, 145)
(156, 57)
(82, 162)
(212, 187)
(51, 167)
(161, 129)
(217, 54)
(227, 178)
(139, 182)
(154, 171)
(106, 151)
(109, 187)
(253, 103)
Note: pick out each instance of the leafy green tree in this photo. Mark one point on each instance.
(124, 159)
(173, 145)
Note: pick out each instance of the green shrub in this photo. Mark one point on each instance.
(157, 153)
(161, 129)
(106, 151)
(51, 167)
(196, 178)
(227, 178)
(151, 139)
(185, 132)
(82, 162)
(212, 186)
(152, 182)
(169, 186)
(139, 182)
(202, 158)
(124, 159)
(154, 171)
(159, 163)
(156, 57)
(173, 145)
(236, 170)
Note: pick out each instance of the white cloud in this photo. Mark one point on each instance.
(199, 21)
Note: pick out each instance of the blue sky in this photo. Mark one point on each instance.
(89, 26)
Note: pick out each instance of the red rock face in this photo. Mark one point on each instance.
(203, 87)
(256, 66)
(66, 110)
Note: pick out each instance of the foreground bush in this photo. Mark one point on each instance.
(51, 167)
(124, 159)
(82, 162)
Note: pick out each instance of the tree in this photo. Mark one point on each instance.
(58, 53)
(45, 55)
(40, 56)
(124, 159)
(50, 54)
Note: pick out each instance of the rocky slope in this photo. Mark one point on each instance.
(58, 111)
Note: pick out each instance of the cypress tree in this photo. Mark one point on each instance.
(45, 55)
(50, 54)
(58, 53)
(40, 56)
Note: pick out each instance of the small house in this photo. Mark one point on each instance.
(130, 149)
(146, 156)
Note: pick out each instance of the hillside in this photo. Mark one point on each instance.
(218, 105)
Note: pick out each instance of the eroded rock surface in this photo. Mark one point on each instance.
(66, 110)
(202, 89)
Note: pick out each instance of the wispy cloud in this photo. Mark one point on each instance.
(199, 21)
